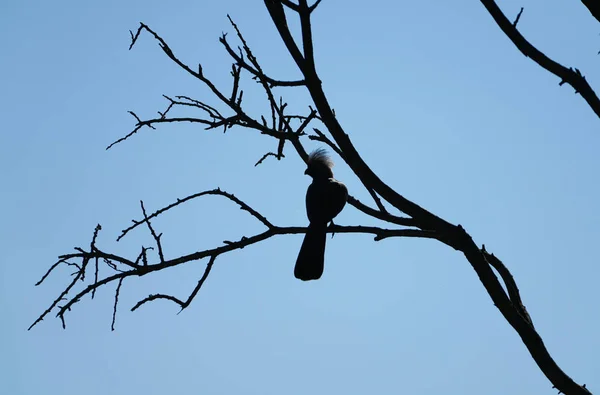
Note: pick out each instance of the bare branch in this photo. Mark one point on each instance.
(569, 75)
(56, 301)
(67, 307)
(265, 156)
(425, 224)
(217, 192)
(181, 304)
(241, 63)
(114, 317)
(451, 235)
(594, 7)
(314, 6)
(259, 73)
(517, 18)
(380, 215)
(379, 233)
(509, 281)
(290, 5)
(95, 275)
(323, 138)
(143, 256)
(54, 266)
(80, 274)
(307, 42)
(235, 73)
(156, 237)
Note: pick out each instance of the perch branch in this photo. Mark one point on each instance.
(452, 235)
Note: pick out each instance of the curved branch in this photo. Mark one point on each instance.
(142, 270)
(571, 76)
(594, 7)
(181, 304)
(509, 281)
(430, 226)
(452, 235)
(217, 192)
(380, 215)
(252, 70)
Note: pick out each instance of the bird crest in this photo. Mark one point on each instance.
(319, 157)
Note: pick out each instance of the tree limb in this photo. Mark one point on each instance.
(423, 223)
(136, 269)
(452, 235)
(571, 76)
(594, 7)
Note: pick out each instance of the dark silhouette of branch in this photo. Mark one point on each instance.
(571, 76)
(217, 192)
(518, 17)
(135, 269)
(594, 7)
(181, 304)
(154, 235)
(287, 127)
(114, 317)
(509, 282)
(379, 234)
(452, 235)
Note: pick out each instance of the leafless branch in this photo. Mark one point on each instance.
(517, 18)
(181, 304)
(154, 235)
(265, 156)
(379, 234)
(594, 7)
(215, 192)
(241, 63)
(114, 317)
(509, 282)
(422, 223)
(80, 275)
(452, 235)
(571, 76)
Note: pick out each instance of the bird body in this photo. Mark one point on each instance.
(325, 199)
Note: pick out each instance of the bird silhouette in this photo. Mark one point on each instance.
(325, 198)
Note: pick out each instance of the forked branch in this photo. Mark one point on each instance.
(286, 127)
(452, 235)
(125, 267)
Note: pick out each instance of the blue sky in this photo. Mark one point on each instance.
(438, 101)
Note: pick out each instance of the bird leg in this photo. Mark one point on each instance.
(330, 226)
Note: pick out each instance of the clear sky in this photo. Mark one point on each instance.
(438, 101)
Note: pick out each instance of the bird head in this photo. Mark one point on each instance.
(319, 164)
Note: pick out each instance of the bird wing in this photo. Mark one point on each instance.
(337, 195)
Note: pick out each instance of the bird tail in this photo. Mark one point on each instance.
(311, 259)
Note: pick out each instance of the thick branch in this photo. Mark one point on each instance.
(424, 218)
(431, 226)
(452, 235)
(509, 281)
(594, 7)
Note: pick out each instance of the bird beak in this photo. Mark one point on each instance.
(306, 171)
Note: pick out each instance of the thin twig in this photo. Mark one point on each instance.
(217, 192)
(114, 317)
(154, 235)
(181, 304)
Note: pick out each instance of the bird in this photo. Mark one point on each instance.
(325, 199)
